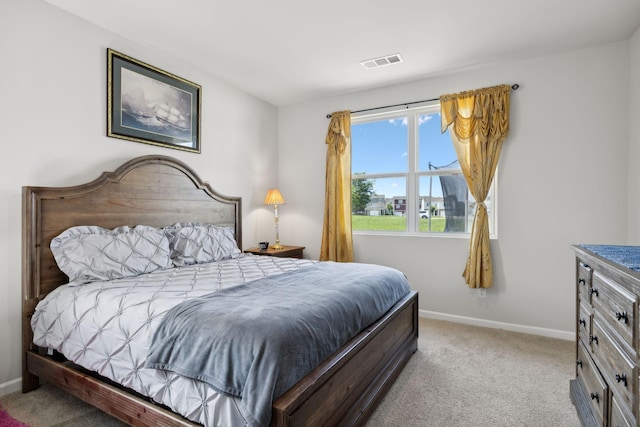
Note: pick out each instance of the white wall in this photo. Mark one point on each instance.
(53, 127)
(633, 221)
(562, 180)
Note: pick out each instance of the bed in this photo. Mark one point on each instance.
(159, 191)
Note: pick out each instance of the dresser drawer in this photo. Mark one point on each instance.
(594, 385)
(584, 324)
(619, 371)
(583, 279)
(618, 417)
(617, 306)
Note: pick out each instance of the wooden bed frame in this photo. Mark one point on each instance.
(160, 191)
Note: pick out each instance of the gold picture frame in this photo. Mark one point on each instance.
(146, 104)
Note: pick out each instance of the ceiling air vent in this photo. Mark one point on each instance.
(382, 61)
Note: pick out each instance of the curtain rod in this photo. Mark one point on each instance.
(514, 86)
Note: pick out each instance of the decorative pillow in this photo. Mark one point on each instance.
(193, 243)
(91, 253)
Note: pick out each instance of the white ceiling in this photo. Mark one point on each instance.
(287, 51)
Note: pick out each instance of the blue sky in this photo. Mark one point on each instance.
(381, 147)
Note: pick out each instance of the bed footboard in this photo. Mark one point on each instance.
(345, 389)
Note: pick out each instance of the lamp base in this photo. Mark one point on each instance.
(277, 246)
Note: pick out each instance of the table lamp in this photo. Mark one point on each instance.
(275, 198)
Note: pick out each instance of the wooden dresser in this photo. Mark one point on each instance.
(605, 390)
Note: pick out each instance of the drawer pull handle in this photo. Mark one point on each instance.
(594, 291)
(579, 363)
(583, 322)
(622, 316)
(581, 281)
(593, 338)
(621, 379)
(594, 396)
(585, 265)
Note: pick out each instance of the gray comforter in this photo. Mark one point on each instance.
(258, 339)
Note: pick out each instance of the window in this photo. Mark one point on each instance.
(406, 177)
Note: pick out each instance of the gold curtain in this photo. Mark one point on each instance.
(479, 121)
(337, 244)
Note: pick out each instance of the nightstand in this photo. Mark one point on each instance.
(285, 252)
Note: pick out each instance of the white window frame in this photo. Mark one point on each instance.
(413, 175)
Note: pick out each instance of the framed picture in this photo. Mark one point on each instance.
(149, 105)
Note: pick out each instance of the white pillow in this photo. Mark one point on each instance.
(91, 253)
(193, 243)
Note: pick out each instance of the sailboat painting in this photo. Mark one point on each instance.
(152, 106)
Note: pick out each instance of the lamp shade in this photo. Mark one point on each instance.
(273, 197)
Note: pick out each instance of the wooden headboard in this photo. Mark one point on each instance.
(150, 190)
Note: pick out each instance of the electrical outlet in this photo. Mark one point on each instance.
(481, 292)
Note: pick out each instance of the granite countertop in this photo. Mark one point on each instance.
(627, 256)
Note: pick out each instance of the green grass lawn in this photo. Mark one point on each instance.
(393, 223)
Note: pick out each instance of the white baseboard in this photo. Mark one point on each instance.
(552, 333)
(10, 386)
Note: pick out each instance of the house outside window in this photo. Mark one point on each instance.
(399, 205)
(406, 177)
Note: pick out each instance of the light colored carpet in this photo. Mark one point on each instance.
(461, 376)
(466, 376)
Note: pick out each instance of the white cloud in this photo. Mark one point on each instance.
(421, 119)
(424, 119)
(399, 122)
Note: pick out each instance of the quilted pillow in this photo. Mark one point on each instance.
(91, 253)
(193, 243)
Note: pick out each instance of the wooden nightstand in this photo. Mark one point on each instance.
(285, 252)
